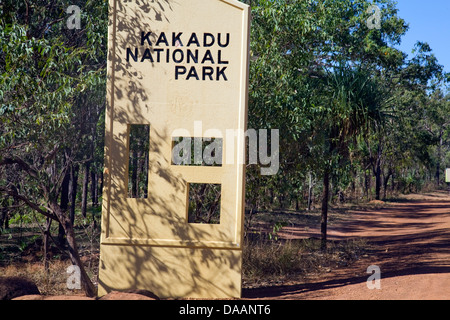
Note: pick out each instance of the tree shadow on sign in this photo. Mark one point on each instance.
(148, 243)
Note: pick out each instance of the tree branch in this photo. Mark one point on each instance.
(32, 205)
(22, 164)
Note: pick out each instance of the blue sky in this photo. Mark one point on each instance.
(429, 21)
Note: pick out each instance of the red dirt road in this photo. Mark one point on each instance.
(410, 242)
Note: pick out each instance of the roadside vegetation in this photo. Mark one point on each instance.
(359, 120)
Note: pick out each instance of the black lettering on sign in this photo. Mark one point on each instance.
(162, 39)
(208, 40)
(158, 55)
(219, 58)
(133, 56)
(147, 55)
(150, 51)
(179, 70)
(191, 56)
(193, 40)
(180, 55)
(144, 37)
(207, 72)
(221, 72)
(192, 73)
(208, 57)
(220, 42)
(176, 40)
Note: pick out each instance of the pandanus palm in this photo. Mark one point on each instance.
(355, 101)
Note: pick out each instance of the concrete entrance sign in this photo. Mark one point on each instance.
(180, 68)
(447, 175)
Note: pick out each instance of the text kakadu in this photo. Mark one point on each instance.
(183, 49)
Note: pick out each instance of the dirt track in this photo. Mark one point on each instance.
(411, 246)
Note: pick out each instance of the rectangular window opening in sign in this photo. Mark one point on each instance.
(204, 203)
(138, 152)
(187, 151)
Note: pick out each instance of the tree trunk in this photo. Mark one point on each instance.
(94, 195)
(377, 171)
(64, 204)
(3, 212)
(6, 223)
(73, 191)
(88, 286)
(438, 162)
(46, 243)
(353, 184)
(377, 180)
(393, 183)
(198, 196)
(101, 183)
(94, 188)
(134, 175)
(310, 191)
(367, 184)
(84, 195)
(324, 216)
(385, 183)
(146, 174)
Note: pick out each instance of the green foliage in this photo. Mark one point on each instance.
(343, 97)
(275, 230)
(266, 261)
(52, 84)
(51, 79)
(340, 93)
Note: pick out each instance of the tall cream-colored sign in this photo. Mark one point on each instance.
(180, 67)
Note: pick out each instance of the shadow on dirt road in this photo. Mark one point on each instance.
(410, 243)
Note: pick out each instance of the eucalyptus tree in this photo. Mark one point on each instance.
(412, 132)
(282, 38)
(436, 123)
(297, 83)
(45, 68)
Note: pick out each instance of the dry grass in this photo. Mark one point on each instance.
(21, 255)
(52, 282)
(268, 262)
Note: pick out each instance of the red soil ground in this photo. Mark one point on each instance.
(411, 246)
(409, 241)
